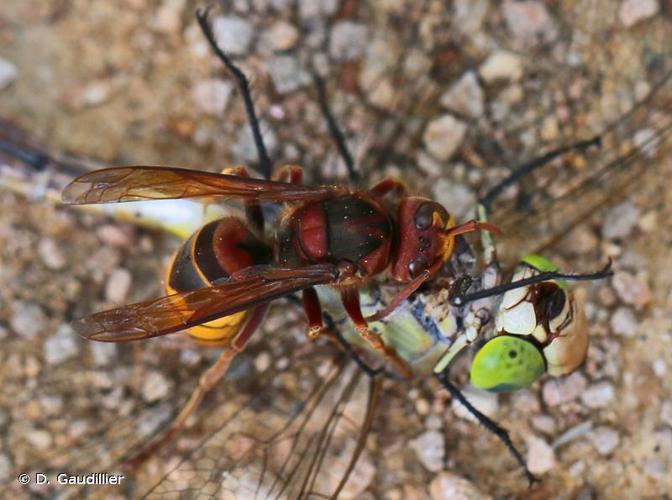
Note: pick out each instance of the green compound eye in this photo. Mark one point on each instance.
(507, 363)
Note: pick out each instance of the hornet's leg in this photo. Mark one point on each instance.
(253, 211)
(289, 173)
(386, 185)
(205, 384)
(264, 160)
(311, 304)
(350, 298)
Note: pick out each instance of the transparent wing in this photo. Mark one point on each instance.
(610, 80)
(288, 442)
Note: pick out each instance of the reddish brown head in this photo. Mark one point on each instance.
(423, 244)
(426, 238)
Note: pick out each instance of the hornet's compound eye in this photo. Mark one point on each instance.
(507, 363)
(417, 266)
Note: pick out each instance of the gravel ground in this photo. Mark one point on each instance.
(449, 96)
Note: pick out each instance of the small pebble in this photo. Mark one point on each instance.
(529, 21)
(624, 322)
(5, 468)
(61, 346)
(563, 390)
(544, 423)
(540, 455)
(315, 8)
(262, 362)
(39, 439)
(233, 34)
(51, 254)
(580, 240)
(115, 234)
(118, 285)
(634, 11)
(8, 73)
(287, 74)
(469, 15)
(348, 41)
(244, 146)
(501, 65)
(447, 485)
(282, 36)
(430, 448)
(465, 97)
(104, 353)
(600, 395)
(484, 401)
(212, 95)
(443, 136)
(458, 199)
(155, 387)
(605, 439)
(631, 289)
(666, 413)
(620, 220)
(169, 16)
(659, 367)
(27, 320)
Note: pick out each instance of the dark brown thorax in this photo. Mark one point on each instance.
(352, 227)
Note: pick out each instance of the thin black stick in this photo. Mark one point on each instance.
(335, 132)
(460, 300)
(264, 160)
(526, 168)
(488, 423)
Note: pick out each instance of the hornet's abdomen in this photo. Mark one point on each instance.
(214, 252)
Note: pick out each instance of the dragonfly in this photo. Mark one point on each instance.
(305, 444)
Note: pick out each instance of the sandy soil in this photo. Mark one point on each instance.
(134, 82)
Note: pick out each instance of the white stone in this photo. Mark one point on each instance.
(630, 289)
(620, 220)
(348, 40)
(624, 322)
(458, 199)
(501, 65)
(633, 11)
(443, 136)
(563, 390)
(212, 95)
(8, 73)
(540, 455)
(118, 285)
(484, 401)
(155, 387)
(430, 448)
(233, 34)
(28, 319)
(605, 439)
(529, 21)
(286, 74)
(447, 485)
(61, 346)
(282, 36)
(600, 395)
(51, 254)
(465, 97)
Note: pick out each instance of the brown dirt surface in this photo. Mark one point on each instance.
(133, 82)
